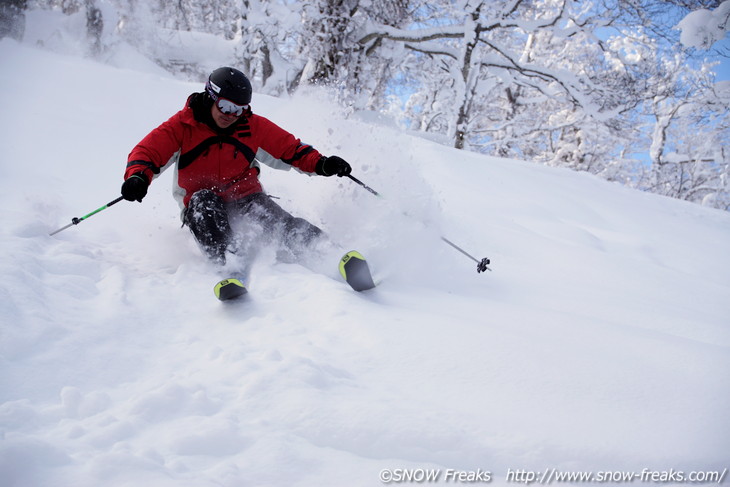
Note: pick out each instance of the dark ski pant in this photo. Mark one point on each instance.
(209, 218)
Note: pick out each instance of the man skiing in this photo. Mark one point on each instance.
(216, 143)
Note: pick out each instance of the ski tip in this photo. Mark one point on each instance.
(353, 254)
(354, 269)
(229, 289)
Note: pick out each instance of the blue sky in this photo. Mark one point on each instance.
(723, 70)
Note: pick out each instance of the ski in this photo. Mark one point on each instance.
(230, 288)
(354, 268)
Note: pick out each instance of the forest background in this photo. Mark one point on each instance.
(624, 89)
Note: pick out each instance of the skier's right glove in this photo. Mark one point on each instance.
(135, 187)
(329, 166)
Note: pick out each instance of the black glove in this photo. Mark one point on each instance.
(329, 166)
(135, 187)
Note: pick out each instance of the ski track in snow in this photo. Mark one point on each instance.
(599, 342)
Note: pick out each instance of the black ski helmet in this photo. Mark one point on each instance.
(231, 84)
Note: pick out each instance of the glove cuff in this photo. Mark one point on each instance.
(140, 175)
(319, 168)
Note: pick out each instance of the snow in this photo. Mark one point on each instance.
(702, 28)
(600, 340)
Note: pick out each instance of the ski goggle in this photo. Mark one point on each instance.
(227, 107)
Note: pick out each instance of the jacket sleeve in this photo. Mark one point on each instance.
(156, 149)
(282, 145)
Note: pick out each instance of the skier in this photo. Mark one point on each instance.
(216, 143)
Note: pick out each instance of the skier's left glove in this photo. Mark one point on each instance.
(135, 187)
(329, 166)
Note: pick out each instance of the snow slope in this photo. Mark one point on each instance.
(599, 342)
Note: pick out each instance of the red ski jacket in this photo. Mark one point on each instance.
(224, 161)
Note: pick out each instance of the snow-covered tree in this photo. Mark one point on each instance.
(691, 135)
(12, 18)
(94, 27)
(538, 54)
(331, 31)
(590, 85)
(269, 36)
(702, 28)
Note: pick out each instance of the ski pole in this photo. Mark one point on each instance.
(481, 264)
(76, 221)
(363, 185)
